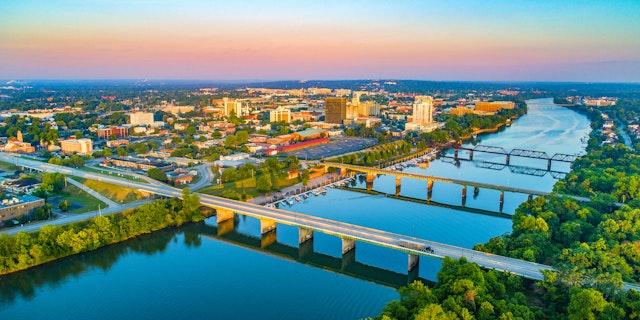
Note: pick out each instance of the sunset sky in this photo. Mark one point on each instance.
(270, 40)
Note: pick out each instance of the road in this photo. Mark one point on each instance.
(206, 176)
(70, 218)
(343, 230)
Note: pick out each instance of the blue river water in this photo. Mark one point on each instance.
(191, 272)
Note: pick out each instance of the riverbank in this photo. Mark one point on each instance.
(25, 250)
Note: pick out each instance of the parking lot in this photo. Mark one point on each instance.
(333, 148)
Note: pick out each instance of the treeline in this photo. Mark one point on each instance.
(23, 250)
(377, 154)
(464, 291)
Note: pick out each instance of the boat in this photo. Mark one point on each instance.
(305, 195)
(298, 198)
(290, 201)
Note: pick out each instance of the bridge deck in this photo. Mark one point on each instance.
(434, 178)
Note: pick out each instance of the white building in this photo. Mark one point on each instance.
(80, 146)
(141, 119)
(423, 109)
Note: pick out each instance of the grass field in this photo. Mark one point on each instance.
(76, 196)
(9, 167)
(114, 192)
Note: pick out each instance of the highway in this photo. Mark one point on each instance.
(344, 230)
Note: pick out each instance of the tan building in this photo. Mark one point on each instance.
(335, 110)
(494, 106)
(79, 146)
(280, 114)
(460, 111)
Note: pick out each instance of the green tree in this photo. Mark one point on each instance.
(64, 205)
(157, 174)
(263, 184)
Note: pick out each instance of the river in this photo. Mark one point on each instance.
(191, 272)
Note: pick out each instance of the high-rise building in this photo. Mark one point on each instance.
(423, 109)
(234, 106)
(335, 110)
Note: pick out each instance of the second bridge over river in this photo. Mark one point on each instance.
(371, 173)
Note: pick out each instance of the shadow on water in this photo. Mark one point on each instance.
(26, 284)
(307, 256)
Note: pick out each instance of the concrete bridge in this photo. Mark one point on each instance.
(227, 209)
(534, 154)
(371, 173)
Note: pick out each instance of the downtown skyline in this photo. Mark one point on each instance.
(591, 41)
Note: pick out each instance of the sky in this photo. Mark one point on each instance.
(511, 40)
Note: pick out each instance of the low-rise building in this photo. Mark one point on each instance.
(183, 179)
(21, 186)
(137, 163)
(117, 143)
(19, 206)
(79, 146)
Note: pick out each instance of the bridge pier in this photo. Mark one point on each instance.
(470, 154)
(549, 165)
(530, 197)
(398, 185)
(476, 190)
(224, 215)
(429, 189)
(348, 245)
(508, 159)
(501, 200)
(455, 153)
(414, 261)
(268, 238)
(304, 235)
(267, 225)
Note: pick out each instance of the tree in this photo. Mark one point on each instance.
(242, 137)
(157, 174)
(585, 303)
(64, 205)
(305, 177)
(230, 141)
(264, 183)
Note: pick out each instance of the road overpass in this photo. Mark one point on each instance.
(226, 209)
